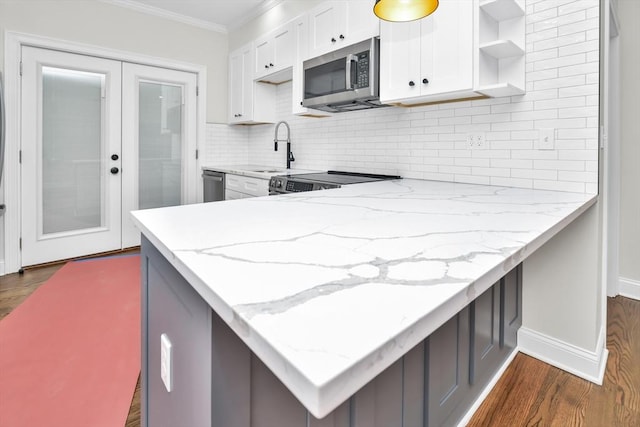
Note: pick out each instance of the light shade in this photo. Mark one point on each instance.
(404, 10)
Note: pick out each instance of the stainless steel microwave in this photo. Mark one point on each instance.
(346, 79)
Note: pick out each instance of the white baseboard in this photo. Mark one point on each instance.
(467, 417)
(575, 360)
(629, 288)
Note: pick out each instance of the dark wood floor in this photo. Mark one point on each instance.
(530, 393)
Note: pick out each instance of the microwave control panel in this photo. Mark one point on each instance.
(363, 70)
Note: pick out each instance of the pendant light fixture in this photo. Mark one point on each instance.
(404, 10)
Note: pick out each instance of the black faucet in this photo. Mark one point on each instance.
(290, 157)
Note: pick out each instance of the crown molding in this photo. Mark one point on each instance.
(263, 8)
(150, 10)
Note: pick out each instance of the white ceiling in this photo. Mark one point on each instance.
(217, 15)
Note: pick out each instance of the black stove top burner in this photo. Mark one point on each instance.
(293, 183)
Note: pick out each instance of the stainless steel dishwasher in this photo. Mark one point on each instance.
(213, 185)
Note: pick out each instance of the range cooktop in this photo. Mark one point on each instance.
(293, 183)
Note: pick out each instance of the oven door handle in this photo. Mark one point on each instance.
(351, 71)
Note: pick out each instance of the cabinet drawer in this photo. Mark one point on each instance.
(247, 185)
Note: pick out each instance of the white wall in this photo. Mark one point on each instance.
(629, 14)
(105, 25)
(429, 142)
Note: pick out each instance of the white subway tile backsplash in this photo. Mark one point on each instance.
(563, 61)
(579, 112)
(543, 55)
(429, 142)
(584, 90)
(580, 26)
(572, 49)
(576, 187)
(511, 182)
(549, 175)
(578, 176)
(578, 101)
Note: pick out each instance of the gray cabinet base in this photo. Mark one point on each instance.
(223, 384)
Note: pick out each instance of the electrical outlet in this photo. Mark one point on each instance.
(476, 141)
(547, 139)
(166, 368)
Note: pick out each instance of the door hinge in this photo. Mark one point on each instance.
(197, 91)
(20, 156)
(20, 68)
(20, 243)
(197, 154)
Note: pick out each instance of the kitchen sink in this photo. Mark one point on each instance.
(269, 171)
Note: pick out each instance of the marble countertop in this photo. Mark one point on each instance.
(331, 287)
(255, 171)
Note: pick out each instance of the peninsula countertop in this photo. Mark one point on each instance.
(329, 288)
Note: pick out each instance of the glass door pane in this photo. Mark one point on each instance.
(160, 145)
(71, 155)
(159, 137)
(72, 187)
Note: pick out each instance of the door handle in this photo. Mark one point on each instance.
(114, 157)
(351, 69)
(114, 170)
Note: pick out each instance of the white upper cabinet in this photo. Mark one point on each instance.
(300, 36)
(249, 101)
(274, 54)
(431, 59)
(335, 24)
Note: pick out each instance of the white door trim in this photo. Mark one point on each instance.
(13, 46)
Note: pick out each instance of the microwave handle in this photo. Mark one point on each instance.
(352, 64)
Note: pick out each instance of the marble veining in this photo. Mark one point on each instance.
(330, 287)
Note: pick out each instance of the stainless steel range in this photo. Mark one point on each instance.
(294, 183)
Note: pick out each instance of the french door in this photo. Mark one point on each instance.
(100, 138)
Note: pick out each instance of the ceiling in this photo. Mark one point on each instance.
(217, 15)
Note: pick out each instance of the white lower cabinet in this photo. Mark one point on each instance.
(241, 187)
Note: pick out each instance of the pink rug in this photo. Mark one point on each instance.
(70, 354)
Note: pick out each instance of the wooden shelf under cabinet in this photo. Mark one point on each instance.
(500, 49)
(502, 10)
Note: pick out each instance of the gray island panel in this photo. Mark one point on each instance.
(220, 382)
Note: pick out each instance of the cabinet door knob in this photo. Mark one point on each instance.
(425, 81)
(114, 157)
(411, 83)
(115, 170)
(270, 65)
(333, 39)
(266, 66)
(341, 37)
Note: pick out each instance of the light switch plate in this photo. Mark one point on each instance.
(166, 368)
